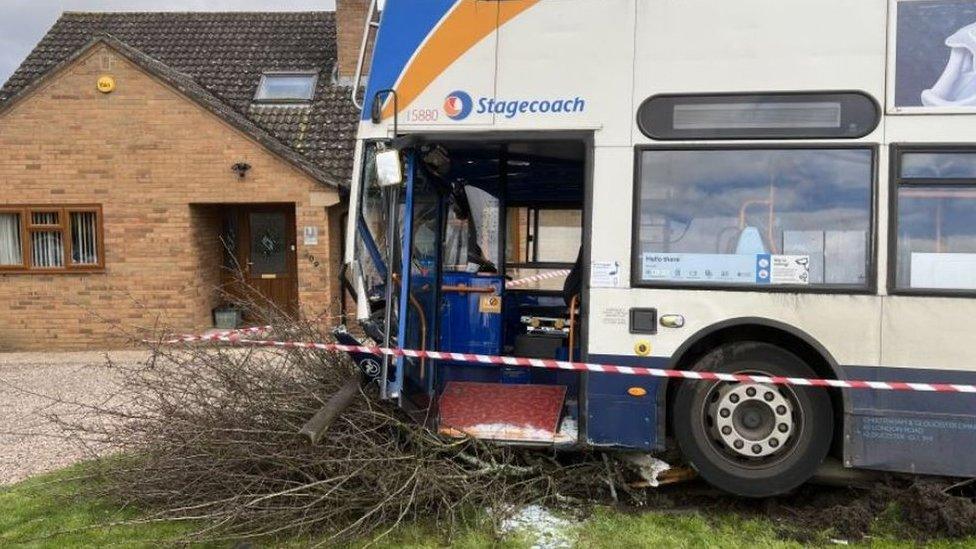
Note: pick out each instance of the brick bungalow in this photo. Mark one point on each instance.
(144, 154)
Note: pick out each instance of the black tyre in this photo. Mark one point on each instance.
(753, 440)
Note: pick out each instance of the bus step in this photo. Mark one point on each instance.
(504, 412)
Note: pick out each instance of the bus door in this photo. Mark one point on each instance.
(395, 275)
(418, 283)
(375, 272)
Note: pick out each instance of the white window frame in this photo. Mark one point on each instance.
(314, 75)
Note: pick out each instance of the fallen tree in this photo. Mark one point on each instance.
(225, 436)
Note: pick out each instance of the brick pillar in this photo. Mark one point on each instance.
(350, 18)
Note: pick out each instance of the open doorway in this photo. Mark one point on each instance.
(490, 263)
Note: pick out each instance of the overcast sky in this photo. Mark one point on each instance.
(24, 22)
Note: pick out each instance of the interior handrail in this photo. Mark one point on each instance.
(462, 289)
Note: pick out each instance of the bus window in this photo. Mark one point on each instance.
(540, 241)
(935, 232)
(754, 217)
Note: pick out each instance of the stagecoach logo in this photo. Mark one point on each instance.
(458, 105)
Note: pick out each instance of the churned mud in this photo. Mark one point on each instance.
(927, 507)
(907, 508)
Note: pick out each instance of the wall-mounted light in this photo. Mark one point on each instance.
(241, 169)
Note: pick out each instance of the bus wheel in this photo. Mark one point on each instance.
(753, 439)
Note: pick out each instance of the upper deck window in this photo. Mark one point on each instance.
(286, 87)
(758, 116)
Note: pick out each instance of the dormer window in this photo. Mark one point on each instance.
(286, 87)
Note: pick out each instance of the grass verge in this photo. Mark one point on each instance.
(58, 510)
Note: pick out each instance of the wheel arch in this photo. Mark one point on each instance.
(762, 330)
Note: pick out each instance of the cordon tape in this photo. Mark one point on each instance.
(234, 337)
(536, 278)
(257, 330)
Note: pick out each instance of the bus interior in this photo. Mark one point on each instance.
(486, 260)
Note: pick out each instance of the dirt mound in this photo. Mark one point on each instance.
(930, 511)
(916, 509)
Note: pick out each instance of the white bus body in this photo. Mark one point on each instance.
(524, 70)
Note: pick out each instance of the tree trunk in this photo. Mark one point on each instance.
(316, 427)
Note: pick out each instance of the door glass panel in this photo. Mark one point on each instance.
(422, 305)
(228, 240)
(269, 244)
(372, 245)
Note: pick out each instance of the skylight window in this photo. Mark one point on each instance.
(286, 87)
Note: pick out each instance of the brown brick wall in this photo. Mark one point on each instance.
(206, 226)
(350, 18)
(145, 153)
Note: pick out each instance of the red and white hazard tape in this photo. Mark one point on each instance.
(536, 278)
(593, 367)
(257, 330)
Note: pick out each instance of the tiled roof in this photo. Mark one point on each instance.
(224, 54)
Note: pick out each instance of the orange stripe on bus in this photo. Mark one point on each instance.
(469, 23)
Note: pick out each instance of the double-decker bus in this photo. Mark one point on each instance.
(776, 187)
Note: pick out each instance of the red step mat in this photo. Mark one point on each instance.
(523, 413)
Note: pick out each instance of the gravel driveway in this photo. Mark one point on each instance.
(30, 385)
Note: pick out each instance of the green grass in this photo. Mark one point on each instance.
(608, 528)
(54, 511)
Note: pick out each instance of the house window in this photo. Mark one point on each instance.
(935, 235)
(11, 247)
(286, 87)
(50, 238)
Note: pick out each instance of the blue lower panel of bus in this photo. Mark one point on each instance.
(615, 418)
(911, 432)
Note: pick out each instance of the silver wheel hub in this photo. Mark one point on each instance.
(752, 420)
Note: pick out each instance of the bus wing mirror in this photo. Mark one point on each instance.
(389, 167)
(376, 111)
